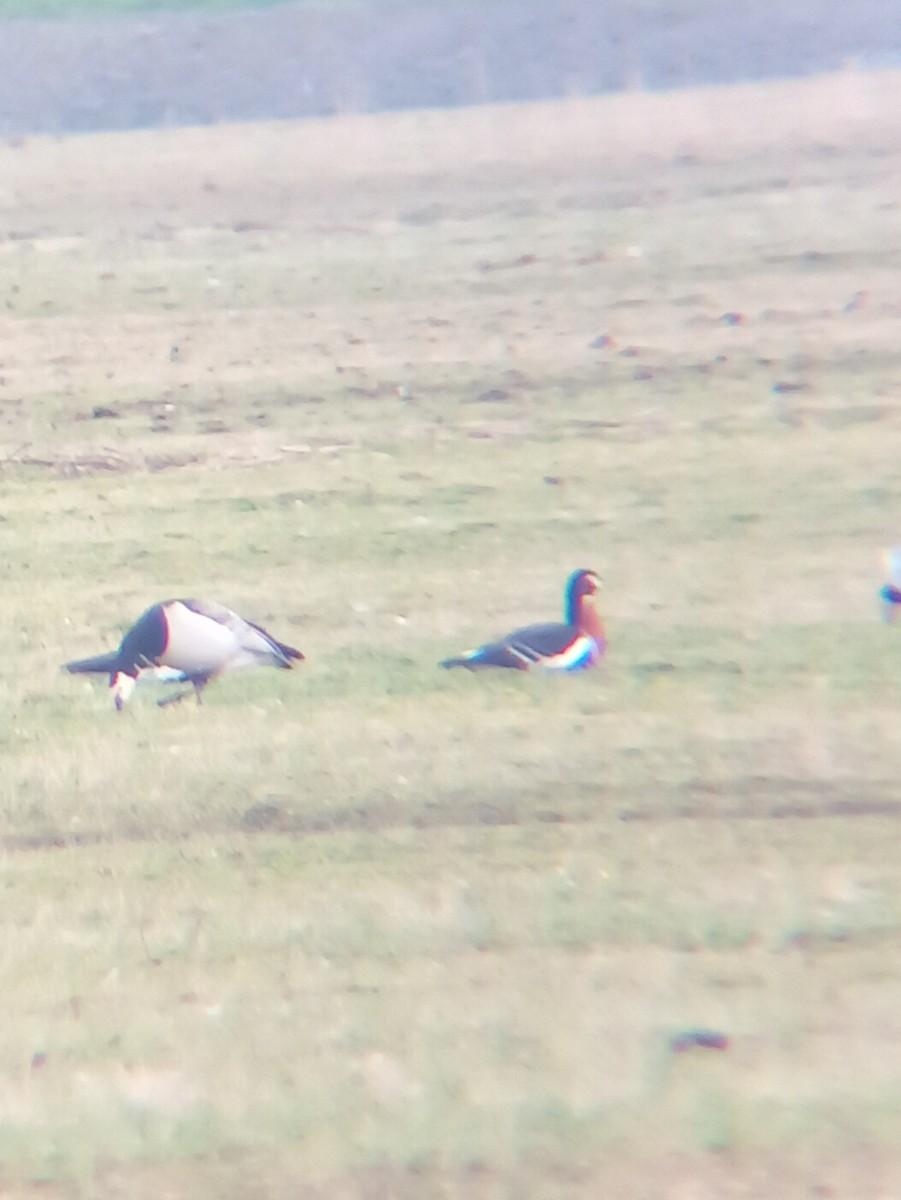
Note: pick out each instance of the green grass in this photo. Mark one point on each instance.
(372, 928)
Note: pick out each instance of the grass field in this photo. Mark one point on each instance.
(371, 929)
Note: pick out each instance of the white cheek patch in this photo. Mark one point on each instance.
(122, 687)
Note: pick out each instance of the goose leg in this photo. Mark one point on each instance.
(197, 682)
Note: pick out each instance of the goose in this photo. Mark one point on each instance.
(185, 641)
(890, 593)
(577, 642)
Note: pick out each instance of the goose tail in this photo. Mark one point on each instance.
(288, 652)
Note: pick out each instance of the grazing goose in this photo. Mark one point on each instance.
(185, 641)
(577, 642)
(890, 594)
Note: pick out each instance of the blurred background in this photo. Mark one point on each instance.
(81, 65)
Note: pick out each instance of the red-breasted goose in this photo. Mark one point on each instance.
(579, 641)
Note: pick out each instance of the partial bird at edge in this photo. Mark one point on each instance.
(890, 592)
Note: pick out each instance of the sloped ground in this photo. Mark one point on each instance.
(300, 60)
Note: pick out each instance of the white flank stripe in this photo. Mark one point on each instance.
(576, 655)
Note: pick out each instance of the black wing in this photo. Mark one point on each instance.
(287, 652)
(521, 649)
(537, 642)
